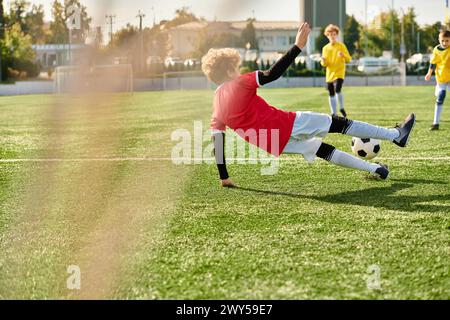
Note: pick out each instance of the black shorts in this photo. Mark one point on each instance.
(335, 87)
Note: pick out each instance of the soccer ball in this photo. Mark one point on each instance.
(366, 149)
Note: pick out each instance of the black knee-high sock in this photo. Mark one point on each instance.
(340, 124)
(362, 129)
(337, 157)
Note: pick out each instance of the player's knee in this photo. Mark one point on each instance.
(331, 91)
(339, 124)
(441, 97)
(326, 152)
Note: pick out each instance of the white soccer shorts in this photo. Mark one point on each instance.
(306, 137)
(441, 87)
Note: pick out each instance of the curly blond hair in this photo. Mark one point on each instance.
(332, 28)
(217, 62)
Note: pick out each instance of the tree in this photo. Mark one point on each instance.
(58, 27)
(18, 10)
(248, 35)
(379, 35)
(411, 27)
(2, 21)
(2, 37)
(31, 20)
(352, 34)
(18, 43)
(126, 38)
(34, 21)
(429, 36)
(182, 16)
(17, 52)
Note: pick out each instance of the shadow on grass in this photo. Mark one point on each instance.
(380, 197)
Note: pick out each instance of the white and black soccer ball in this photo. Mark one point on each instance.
(366, 149)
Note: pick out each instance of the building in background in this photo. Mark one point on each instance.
(182, 38)
(319, 14)
(272, 36)
(50, 56)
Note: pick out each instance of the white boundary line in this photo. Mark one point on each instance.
(195, 160)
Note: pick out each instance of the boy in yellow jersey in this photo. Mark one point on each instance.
(334, 57)
(441, 65)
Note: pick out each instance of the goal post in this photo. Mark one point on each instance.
(185, 80)
(97, 78)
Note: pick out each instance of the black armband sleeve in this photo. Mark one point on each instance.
(432, 67)
(219, 153)
(277, 70)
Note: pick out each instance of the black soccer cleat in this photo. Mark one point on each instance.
(434, 127)
(344, 114)
(382, 173)
(405, 130)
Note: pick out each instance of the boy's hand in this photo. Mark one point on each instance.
(228, 183)
(303, 35)
(428, 77)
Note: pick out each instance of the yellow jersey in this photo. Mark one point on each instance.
(441, 58)
(333, 62)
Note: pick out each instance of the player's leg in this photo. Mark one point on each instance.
(313, 148)
(343, 159)
(441, 93)
(398, 135)
(310, 125)
(332, 98)
(340, 96)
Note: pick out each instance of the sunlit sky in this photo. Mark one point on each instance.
(428, 11)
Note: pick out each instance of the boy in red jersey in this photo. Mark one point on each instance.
(237, 106)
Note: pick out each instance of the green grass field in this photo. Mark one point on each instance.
(148, 229)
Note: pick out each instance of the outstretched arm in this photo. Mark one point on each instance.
(277, 70)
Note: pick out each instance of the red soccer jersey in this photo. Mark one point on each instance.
(237, 106)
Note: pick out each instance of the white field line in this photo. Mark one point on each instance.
(197, 160)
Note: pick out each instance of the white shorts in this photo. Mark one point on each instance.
(441, 87)
(306, 138)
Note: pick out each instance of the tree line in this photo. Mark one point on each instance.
(24, 24)
(384, 33)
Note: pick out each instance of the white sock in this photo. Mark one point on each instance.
(437, 114)
(333, 105)
(365, 130)
(348, 161)
(341, 100)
